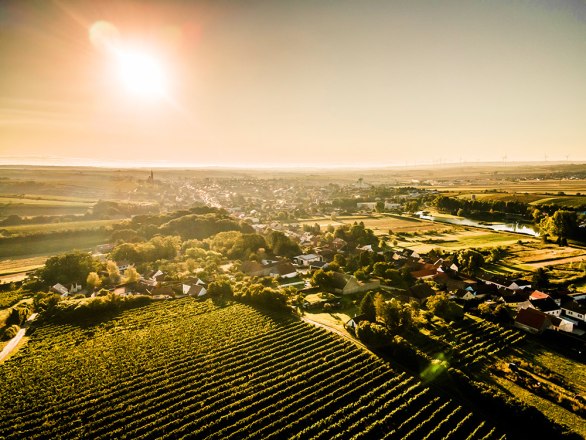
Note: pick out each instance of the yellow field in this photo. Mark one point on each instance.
(55, 227)
(381, 224)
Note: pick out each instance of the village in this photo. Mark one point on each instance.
(334, 268)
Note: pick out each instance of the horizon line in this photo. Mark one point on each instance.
(85, 163)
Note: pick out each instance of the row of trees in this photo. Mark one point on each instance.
(453, 205)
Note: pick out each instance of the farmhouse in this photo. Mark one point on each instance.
(60, 289)
(366, 205)
(532, 320)
(194, 289)
(352, 285)
(561, 324)
(543, 302)
(306, 259)
(353, 322)
(519, 285)
(420, 292)
(574, 309)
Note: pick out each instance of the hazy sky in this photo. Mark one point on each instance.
(296, 82)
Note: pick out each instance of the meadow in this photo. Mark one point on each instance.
(41, 205)
(533, 198)
(48, 228)
(188, 368)
(48, 244)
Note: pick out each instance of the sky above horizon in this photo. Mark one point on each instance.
(292, 83)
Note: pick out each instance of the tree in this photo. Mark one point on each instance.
(322, 279)
(361, 275)
(398, 317)
(68, 268)
(131, 275)
(380, 268)
(564, 223)
(220, 288)
(372, 334)
(470, 260)
(113, 272)
(340, 260)
(540, 279)
(282, 245)
(440, 305)
(93, 280)
(367, 307)
(496, 254)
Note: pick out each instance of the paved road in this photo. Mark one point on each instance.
(14, 341)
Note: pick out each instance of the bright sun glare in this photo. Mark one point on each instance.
(141, 73)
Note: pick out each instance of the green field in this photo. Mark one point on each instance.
(55, 227)
(190, 369)
(572, 202)
(51, 243)
(529, 198)
(31, 205)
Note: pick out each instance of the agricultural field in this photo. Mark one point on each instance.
(532, 198)
(545, 379)
(49, 244)
(518, 186)
(31, 205)
(48, 228)
(189, 368)
(472, 342)
(536, 255)
(88, 184)
(460, 238)
(381, 224)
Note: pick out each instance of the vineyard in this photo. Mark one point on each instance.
(471, 343)
(191, 369)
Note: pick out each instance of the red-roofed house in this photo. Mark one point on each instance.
(532, 320)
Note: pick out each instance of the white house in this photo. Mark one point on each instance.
(194, 290)
(366, 205)
(561, 324)
(75, 287)
(123, 265)
(391, 205)
(60, 289)
(305, 260)
(519, 284)
(574, 309)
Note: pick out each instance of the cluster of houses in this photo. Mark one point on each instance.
(536, 310)
(153, 283)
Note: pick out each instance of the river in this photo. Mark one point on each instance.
(516, 227)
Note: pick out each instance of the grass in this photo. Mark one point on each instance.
(45, 201)
(381, 224)
(570, 201)
(48, 244)
(555, 412)
(31, 205)
(17, 265)
(55, 227)
(485, 183)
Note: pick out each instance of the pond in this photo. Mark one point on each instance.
(516, 227)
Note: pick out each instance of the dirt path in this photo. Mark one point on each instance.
(14, 341)
(335, 330)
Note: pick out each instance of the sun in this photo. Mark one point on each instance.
(141, 73)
